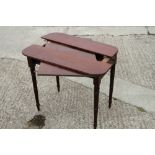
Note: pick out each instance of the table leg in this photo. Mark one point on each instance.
(32, 64)
(96, 82)
(58, 83)
(112, 75)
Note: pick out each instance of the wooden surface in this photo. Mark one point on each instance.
(50, 70)
(86, 45)
(72, 61)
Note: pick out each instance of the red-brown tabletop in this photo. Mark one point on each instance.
(50, 70)
(70, 60)
(82, 43)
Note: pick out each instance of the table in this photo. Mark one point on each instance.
(66, 55)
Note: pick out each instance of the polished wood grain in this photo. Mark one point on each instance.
(71, 61)
(50, 70)
(83, 44)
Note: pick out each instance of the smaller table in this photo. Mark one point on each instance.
(66, 55)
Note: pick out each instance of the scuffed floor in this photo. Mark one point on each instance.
(71, 108)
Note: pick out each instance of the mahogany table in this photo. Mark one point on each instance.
(66, 55)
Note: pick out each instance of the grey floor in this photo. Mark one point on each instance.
(71, 108)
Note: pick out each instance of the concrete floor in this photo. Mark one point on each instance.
(71, 108)
(135, 73)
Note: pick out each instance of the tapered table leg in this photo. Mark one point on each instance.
(96, 81)
(112, 75)
(58, 83)
(35, 88)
